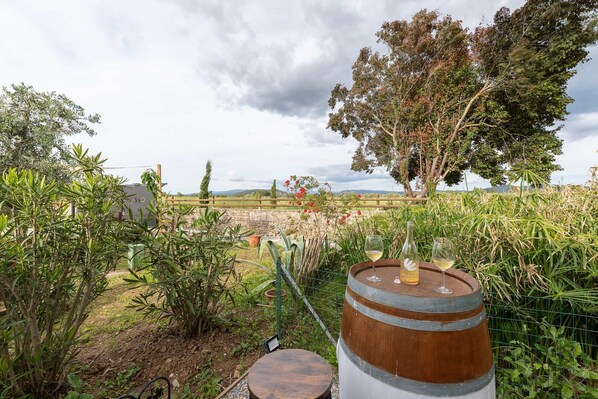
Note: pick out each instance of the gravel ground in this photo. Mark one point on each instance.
(240, 390)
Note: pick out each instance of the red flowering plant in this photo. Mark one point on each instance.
(322, 212)
(316, 200)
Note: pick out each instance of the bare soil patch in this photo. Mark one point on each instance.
(122, 351)
(162, 352)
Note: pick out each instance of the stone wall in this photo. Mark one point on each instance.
(267, 221)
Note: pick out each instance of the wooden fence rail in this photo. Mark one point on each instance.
(283, 202)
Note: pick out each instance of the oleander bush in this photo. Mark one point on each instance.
(52, 266)
(189, 267)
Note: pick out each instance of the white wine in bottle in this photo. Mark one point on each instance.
(409, 259)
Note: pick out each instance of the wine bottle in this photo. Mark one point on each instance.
(409, 259)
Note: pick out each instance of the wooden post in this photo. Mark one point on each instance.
(159, 173)
(378, 201)
(278, 295)
(159, 194)
(259, 201)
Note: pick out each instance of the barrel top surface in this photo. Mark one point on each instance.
(290, 374)
(429, 278)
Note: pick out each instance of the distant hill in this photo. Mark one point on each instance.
(231, 193)
(266, 193)
(381, 192)
(227, 192)
(244, 193)
(504, 188)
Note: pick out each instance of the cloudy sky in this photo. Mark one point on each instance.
(242, 83)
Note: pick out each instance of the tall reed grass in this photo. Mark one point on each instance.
(535, 254)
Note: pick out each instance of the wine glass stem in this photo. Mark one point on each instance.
(374, 267)
(443, 279)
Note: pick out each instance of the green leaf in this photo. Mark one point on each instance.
(75, 382)
(577, 349)
(567, 392)
(262, 286)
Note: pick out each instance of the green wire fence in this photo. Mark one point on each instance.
(520, 321)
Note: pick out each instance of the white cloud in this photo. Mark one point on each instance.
(233, 176)
(242, 84)
(578, 156)
(580, 126)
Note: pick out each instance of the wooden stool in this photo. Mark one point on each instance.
(290, 374)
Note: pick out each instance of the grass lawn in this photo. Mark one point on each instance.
(121, 350)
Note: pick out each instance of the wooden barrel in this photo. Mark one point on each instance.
(399, 340)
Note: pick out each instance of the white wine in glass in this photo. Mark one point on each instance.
(374, 247)
(373, 255)
(443, 264)
(443, 256)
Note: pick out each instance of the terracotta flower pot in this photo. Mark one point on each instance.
(271, 294)
(254, 240)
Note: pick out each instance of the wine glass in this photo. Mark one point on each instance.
(374, 247)
(443, 256)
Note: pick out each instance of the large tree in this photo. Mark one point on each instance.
(33, 128)
(438, 102)
(530, 55)
(414, 109)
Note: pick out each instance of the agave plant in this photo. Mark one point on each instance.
(291, 252)
(290, 256)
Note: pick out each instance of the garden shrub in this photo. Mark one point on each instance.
(188, 271)
(556, 367)
(53, 265)
(321, 213)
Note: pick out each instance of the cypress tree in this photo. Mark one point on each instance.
(204, 192)
(273, 193)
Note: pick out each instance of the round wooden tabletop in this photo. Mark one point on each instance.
(290, 374)
(429, 278)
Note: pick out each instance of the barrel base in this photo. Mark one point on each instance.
(355, 383)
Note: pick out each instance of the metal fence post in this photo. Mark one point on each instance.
(278, 299)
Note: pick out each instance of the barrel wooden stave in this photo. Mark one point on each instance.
(428, 356)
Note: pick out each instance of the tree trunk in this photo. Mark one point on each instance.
(408, 190)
